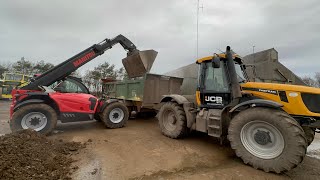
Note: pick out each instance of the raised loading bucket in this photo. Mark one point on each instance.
(139, 63)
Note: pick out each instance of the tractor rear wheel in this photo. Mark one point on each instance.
(115, 115)
(39, 117)
(172, 120)
(310, 132)
(267, 139)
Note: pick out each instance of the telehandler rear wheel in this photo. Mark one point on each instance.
(309, 134)
(267, 139)
(172, 120)
(39, 117)
(115, 115)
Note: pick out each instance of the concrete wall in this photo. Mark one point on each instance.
(262, 66)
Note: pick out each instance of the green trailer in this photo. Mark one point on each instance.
(142, 94)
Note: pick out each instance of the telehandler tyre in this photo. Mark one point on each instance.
(172, 120)
(309, 134)
(39, 117)
(115, 115)
(267, 139)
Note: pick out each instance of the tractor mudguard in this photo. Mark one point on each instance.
(30, 101)
(175, 97)
(258, 103)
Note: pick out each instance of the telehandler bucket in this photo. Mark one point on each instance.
(139, 63)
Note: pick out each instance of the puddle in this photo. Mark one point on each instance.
(89, 168)
(314, 149)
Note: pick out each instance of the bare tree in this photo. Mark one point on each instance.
(41, 67)
(309, 81)
(4, 66)
(317, 78)
(23, 66)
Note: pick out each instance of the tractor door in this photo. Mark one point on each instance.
(214, 86)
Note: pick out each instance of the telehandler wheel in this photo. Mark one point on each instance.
(39, 117)
(115, 115)
(310, 132)
(267, 139)
(172, 120)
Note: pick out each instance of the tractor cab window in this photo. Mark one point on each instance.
(240, 76)
(215, 79)
(71, 85)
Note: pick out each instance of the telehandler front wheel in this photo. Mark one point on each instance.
(115, 115)
(267, 139)
(172, 120)
(39, 117)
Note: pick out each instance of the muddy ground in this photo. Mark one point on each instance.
(139, 151)
(27, 154)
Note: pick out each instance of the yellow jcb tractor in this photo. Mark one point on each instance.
(268, 125)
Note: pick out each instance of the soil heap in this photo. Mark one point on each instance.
(29, 155)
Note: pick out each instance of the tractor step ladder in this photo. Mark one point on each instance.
(214, 123)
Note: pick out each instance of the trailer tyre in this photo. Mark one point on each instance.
(172, 120)
(39, 117)
(115, 115)
(267, 139)
(310, 133)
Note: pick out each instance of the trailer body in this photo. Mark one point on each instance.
(143, 93)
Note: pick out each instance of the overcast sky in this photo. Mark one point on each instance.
(56, 30)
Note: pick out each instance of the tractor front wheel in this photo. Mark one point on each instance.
(267, 139)
(172, 120)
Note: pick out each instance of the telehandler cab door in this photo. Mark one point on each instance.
(213, 86)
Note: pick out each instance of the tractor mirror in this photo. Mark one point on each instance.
(216, 62)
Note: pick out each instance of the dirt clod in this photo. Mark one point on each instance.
(94, 171)
(29, 155)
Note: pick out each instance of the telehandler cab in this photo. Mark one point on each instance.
(268, 125)
(38, 106)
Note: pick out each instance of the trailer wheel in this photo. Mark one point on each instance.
(115, 115)
(39, 117)
(172, 120)
(310, 132)
(267, 139)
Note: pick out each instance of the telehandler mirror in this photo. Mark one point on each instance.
(216, 62)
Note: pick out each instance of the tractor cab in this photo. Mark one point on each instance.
(213, 89)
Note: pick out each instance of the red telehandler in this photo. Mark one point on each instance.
(54, 95)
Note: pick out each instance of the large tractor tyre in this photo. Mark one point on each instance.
(310, 133)
(115, 115)
(172, 120)
(39, 117)
(267, 139)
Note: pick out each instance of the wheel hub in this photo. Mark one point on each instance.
(262, 137)
(34, 120)
(169, 120)
(116, 115)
